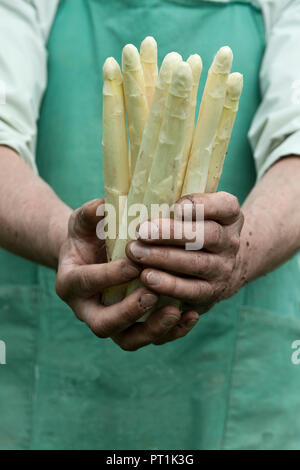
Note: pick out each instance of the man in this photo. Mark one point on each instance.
(231, 382)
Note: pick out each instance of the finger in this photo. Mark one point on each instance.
(221, 206)
(106, 322)
(89, 280)
(187, 322)
(156, 326)
(194, 263)
(190, 290)
(207, 235)
(84, 220)
(238, 224)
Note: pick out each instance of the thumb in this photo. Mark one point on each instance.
(83, 221)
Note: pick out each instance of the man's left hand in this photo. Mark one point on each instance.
(202, 277)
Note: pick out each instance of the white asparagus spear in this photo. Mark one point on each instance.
(161, 183)
(195, 62)
(144, 162)
(149, 144)
(148, 52)
(114, 141)
(234, 89)
(171, 142)
(209, 117)
(230, 109)
(135, 99)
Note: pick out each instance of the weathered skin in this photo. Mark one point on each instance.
(66, 241)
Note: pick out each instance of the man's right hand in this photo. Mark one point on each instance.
(83, 274)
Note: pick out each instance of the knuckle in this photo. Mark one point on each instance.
(220, 289)
(200, 263)
(215, 235)
(234, 243)
(196, 264)
(230, 204)
(152, 334)
(218, 234)
(231, 200)
(79, 220)
(227, 269)
(122, 264)
(125, 270)
(100, 328)
(106, 273)
(195, 293)
(205, 292)
(206, 264)
(173, 286)
(161, 254)
(148, 334)
(101, 331)
(209, 294)
(62, 285)
(84, 282)
(235, 205)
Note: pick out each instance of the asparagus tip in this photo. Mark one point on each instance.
(235, 85)
(111, 70)
(169, 63)
(149, 50)
(223, 60)
(182, 79)
(195, 62)
(130, 57)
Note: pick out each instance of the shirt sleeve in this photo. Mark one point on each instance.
(24, 30)
(275, 130)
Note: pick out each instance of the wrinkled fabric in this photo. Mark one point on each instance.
(230, 384)
(275, 131)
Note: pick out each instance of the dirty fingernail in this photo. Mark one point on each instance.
(148, 230)
(191, 323)
(148, 300)
(185, 202)
(153, 278)
(130, 271)
(138, 251)
(169, 321)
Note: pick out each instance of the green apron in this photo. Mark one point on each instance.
(230, 384)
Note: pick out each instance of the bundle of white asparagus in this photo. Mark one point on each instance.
(158, 154)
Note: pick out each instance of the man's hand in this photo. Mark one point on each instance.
(202, 277)
(270, 236)
(83, 274)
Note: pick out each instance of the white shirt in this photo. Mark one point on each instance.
(24, 30)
